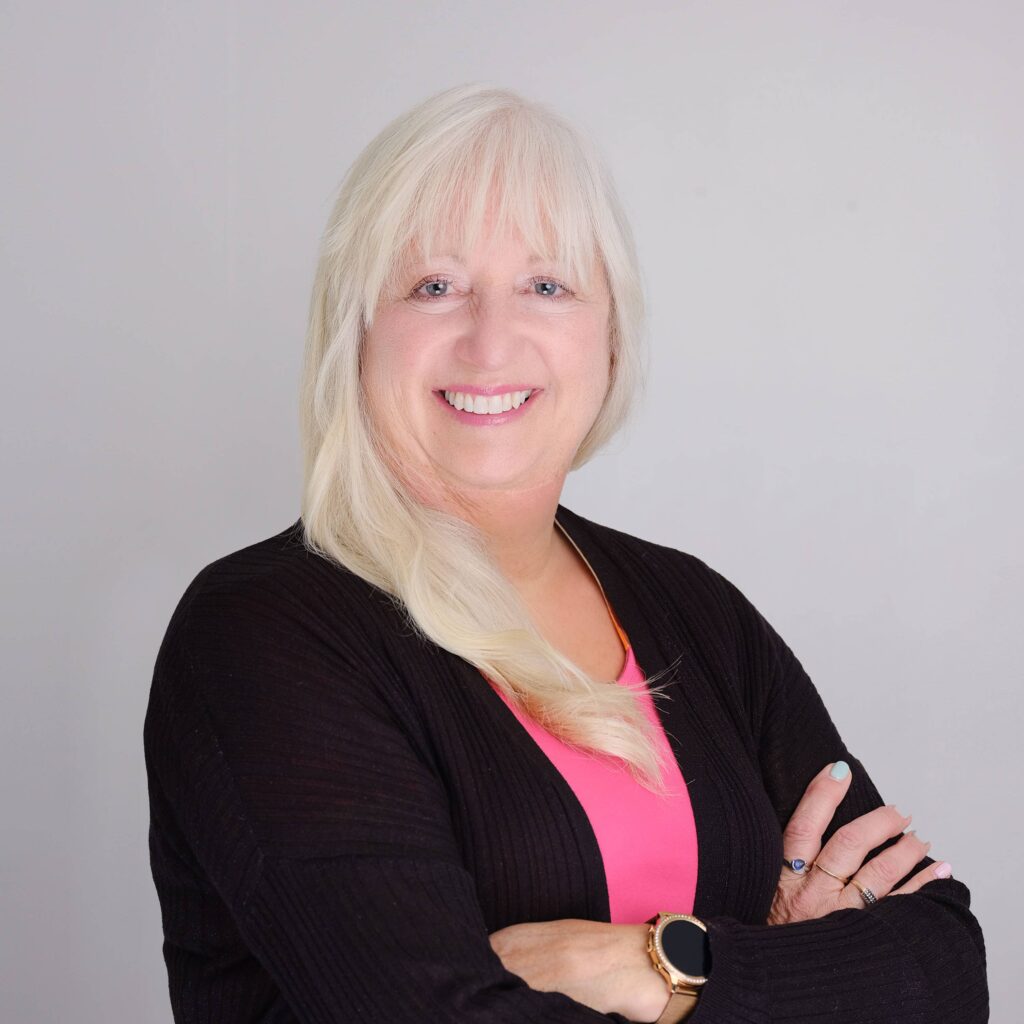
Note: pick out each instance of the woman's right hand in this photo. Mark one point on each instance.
(814, 893)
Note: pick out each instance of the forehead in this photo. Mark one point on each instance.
(451, 255)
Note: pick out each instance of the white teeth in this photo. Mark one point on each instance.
(486, 405)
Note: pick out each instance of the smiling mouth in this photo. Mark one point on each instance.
(487, 405)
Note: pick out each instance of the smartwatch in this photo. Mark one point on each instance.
(681, 953)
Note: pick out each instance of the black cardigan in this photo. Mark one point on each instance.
(341, 812)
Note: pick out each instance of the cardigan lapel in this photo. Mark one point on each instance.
(714, 760)
(734, 876)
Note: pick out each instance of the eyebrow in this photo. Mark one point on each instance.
(534, 258)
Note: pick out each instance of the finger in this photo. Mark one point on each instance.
(844, 853)
(885, 869)
(923, 877)
(817, 807)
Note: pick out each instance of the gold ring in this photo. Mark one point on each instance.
(838, 878)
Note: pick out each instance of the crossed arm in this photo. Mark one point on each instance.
(607, 967)
(252, 768)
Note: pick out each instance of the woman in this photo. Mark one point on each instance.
(444, 750)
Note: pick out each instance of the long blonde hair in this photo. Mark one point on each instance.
(445, 162)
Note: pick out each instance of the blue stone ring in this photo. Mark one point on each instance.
(797, 866)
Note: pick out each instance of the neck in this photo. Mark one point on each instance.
(519, 527)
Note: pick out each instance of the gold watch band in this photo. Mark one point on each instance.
(680, 1006)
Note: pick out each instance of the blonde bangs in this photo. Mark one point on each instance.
(523, 168)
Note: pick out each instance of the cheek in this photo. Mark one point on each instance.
(378, 380)
(589, 369)
(387, 361)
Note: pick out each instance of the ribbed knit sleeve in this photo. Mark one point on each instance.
(342, 813)
(278, 748)
(917, 957)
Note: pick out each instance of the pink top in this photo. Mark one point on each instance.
(648, 843)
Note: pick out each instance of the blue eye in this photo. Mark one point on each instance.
(440, 281)
(548, 284)
(435, 295)
(444, 283)
(567, 293)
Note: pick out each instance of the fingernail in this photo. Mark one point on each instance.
(839, 770)
(943, 870)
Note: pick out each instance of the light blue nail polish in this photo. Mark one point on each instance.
(840, 770)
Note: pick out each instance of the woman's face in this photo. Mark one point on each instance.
(483, 328)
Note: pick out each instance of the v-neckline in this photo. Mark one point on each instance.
(651, 656)
(693, 718)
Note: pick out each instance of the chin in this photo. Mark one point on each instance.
(489, 477)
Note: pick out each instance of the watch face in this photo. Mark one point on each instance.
(686, 945)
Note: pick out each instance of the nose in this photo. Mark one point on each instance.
(489, 338)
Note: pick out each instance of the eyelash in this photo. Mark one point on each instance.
(441, 279)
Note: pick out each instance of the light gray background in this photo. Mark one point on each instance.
(826, 198)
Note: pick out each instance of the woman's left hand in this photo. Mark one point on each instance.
(604, 966)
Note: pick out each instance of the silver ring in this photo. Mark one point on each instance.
(797, 865)
(865, 893)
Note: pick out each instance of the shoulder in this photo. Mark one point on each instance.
(269, 626)
(277, 586)
(271, 693)
(702, 615)
(676, 577)
(270, 648)
(689, 603)
(279, 569)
